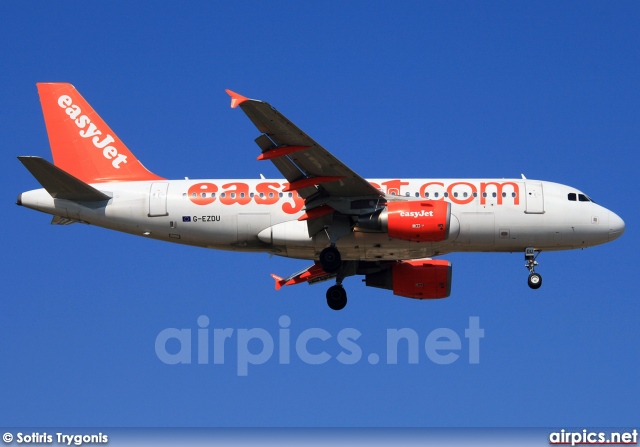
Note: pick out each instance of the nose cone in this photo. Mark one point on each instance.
(616, 226)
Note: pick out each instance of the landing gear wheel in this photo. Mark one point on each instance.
(530, 255)
(336, 297)
(535, 280)
(330, 259)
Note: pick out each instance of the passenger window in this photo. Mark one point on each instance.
(233, 195)
(417, 194)
(493, 194)
(194, 194)
(290, 194)
(455, 194)
(464, 194)
(572, 196)
(426, 195)
(484, 194)
(475, 194)
(242, 195)
(407, 194)
(261, 194)
(251, 195)
(224, 194)
(280, 195)
(270, 194)
(513, 194)
(184, 194)
(504, 194)
(436, 195)
(446, 194)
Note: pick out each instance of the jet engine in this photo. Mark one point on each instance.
(420, 279)
(415, 220)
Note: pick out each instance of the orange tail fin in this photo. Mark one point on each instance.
(81, 142)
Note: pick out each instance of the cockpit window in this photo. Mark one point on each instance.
(572, 196)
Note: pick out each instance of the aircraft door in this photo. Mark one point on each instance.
(158, 199)
(534, 197)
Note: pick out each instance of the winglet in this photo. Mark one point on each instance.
(236, 99)
(279, 281)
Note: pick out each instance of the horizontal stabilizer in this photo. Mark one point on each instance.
(60, 184)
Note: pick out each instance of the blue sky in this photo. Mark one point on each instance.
(419, 89)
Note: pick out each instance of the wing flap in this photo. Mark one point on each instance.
(59, 220)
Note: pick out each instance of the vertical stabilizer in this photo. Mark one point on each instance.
(81, 142)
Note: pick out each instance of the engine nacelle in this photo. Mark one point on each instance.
(414, 220)
(421, 279)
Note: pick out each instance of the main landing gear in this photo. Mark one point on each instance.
(535, 279)
(330, 259)
(337, 297)
(331, 262)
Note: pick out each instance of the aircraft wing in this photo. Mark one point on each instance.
(308, 167)
(312, 274)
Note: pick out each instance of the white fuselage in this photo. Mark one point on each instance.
(502, 215)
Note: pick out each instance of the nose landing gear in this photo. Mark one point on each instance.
(535, 279)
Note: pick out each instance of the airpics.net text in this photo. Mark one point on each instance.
(257, 346)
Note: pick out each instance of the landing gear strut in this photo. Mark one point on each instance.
(336, 295)
(535, 279)
(331, 262)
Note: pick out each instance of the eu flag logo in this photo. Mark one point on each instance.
(186, 218)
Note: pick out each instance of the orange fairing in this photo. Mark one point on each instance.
(81, 142)
(280, 152)
(426, 279)
(419, 221)
(316, 212)
(311, 181)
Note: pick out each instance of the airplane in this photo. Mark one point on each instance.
(388, 230)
